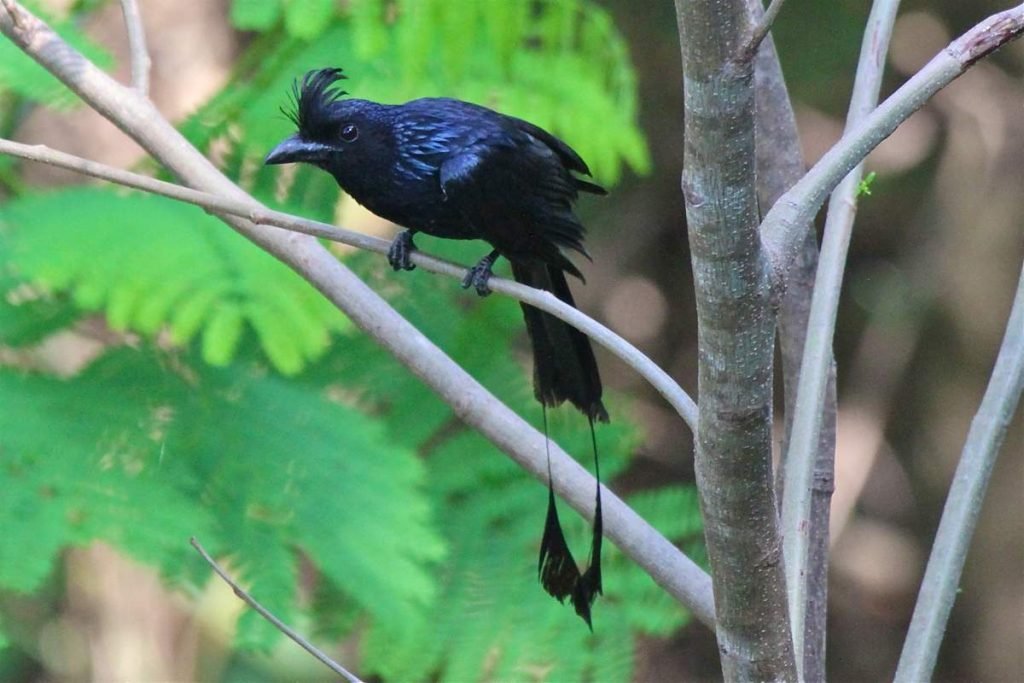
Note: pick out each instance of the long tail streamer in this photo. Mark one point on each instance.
(556, 567)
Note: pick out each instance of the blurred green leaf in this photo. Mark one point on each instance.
(148, 263)
(307, 19)
(255, 15)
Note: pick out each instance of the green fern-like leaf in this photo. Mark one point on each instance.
(29, 314)
(151, 264)
(72, 457)
(255, 466)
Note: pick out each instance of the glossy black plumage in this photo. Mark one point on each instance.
(457, 170)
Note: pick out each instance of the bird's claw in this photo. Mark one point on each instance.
(478, 278)
(400, 252)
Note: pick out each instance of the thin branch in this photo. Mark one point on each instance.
(470, 401)
(762, 28)
(139, 54)
(816, 367)
(545, 301)
(960, 516)
(269, 616)
(784, 227)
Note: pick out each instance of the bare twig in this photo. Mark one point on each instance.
(816, 366)
(470, 401)
(628, 353)
(763, 27)
(784, 226)
(140, 62)
(960, 515)
(269, 616)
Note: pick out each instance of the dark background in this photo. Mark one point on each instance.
(933, 265)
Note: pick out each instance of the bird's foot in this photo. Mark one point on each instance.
(479, 275)
(400, 252)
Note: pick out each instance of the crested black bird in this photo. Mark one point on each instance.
(453, 169)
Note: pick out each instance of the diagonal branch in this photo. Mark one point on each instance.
(471, 402)
(629, 354)
(296, 637)
(941, 581)
(784, 227)
(764, 25)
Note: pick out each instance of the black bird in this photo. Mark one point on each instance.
(453, 169)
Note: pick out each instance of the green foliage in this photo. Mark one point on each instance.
(308, 18)
(30, 314)
(150, 264)
(864, 186)
(145, 452)
(255, 15)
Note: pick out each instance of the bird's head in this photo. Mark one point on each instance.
(331, 132)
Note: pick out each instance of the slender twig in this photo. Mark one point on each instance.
(139, 54)
(960, 516)
(470, 401)
(269, 616)
(628, 353)
(816, 366)
(763, 27)
(784, 227)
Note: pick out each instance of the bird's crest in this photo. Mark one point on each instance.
(311, 99)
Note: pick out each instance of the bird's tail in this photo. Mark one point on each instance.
(564, 368)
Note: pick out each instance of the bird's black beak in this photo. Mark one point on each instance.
(295, 149)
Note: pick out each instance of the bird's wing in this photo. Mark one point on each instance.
(516, 191)
(569, 157)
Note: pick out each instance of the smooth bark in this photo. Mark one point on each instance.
(736, 332)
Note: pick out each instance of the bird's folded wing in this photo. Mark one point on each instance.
(515, 184)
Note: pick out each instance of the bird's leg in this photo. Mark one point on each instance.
(479, 275)
(400, 250)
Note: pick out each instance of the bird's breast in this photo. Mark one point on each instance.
(417, 204)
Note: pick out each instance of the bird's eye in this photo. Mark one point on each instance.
(349, 133)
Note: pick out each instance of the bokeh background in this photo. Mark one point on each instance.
(936, 253)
